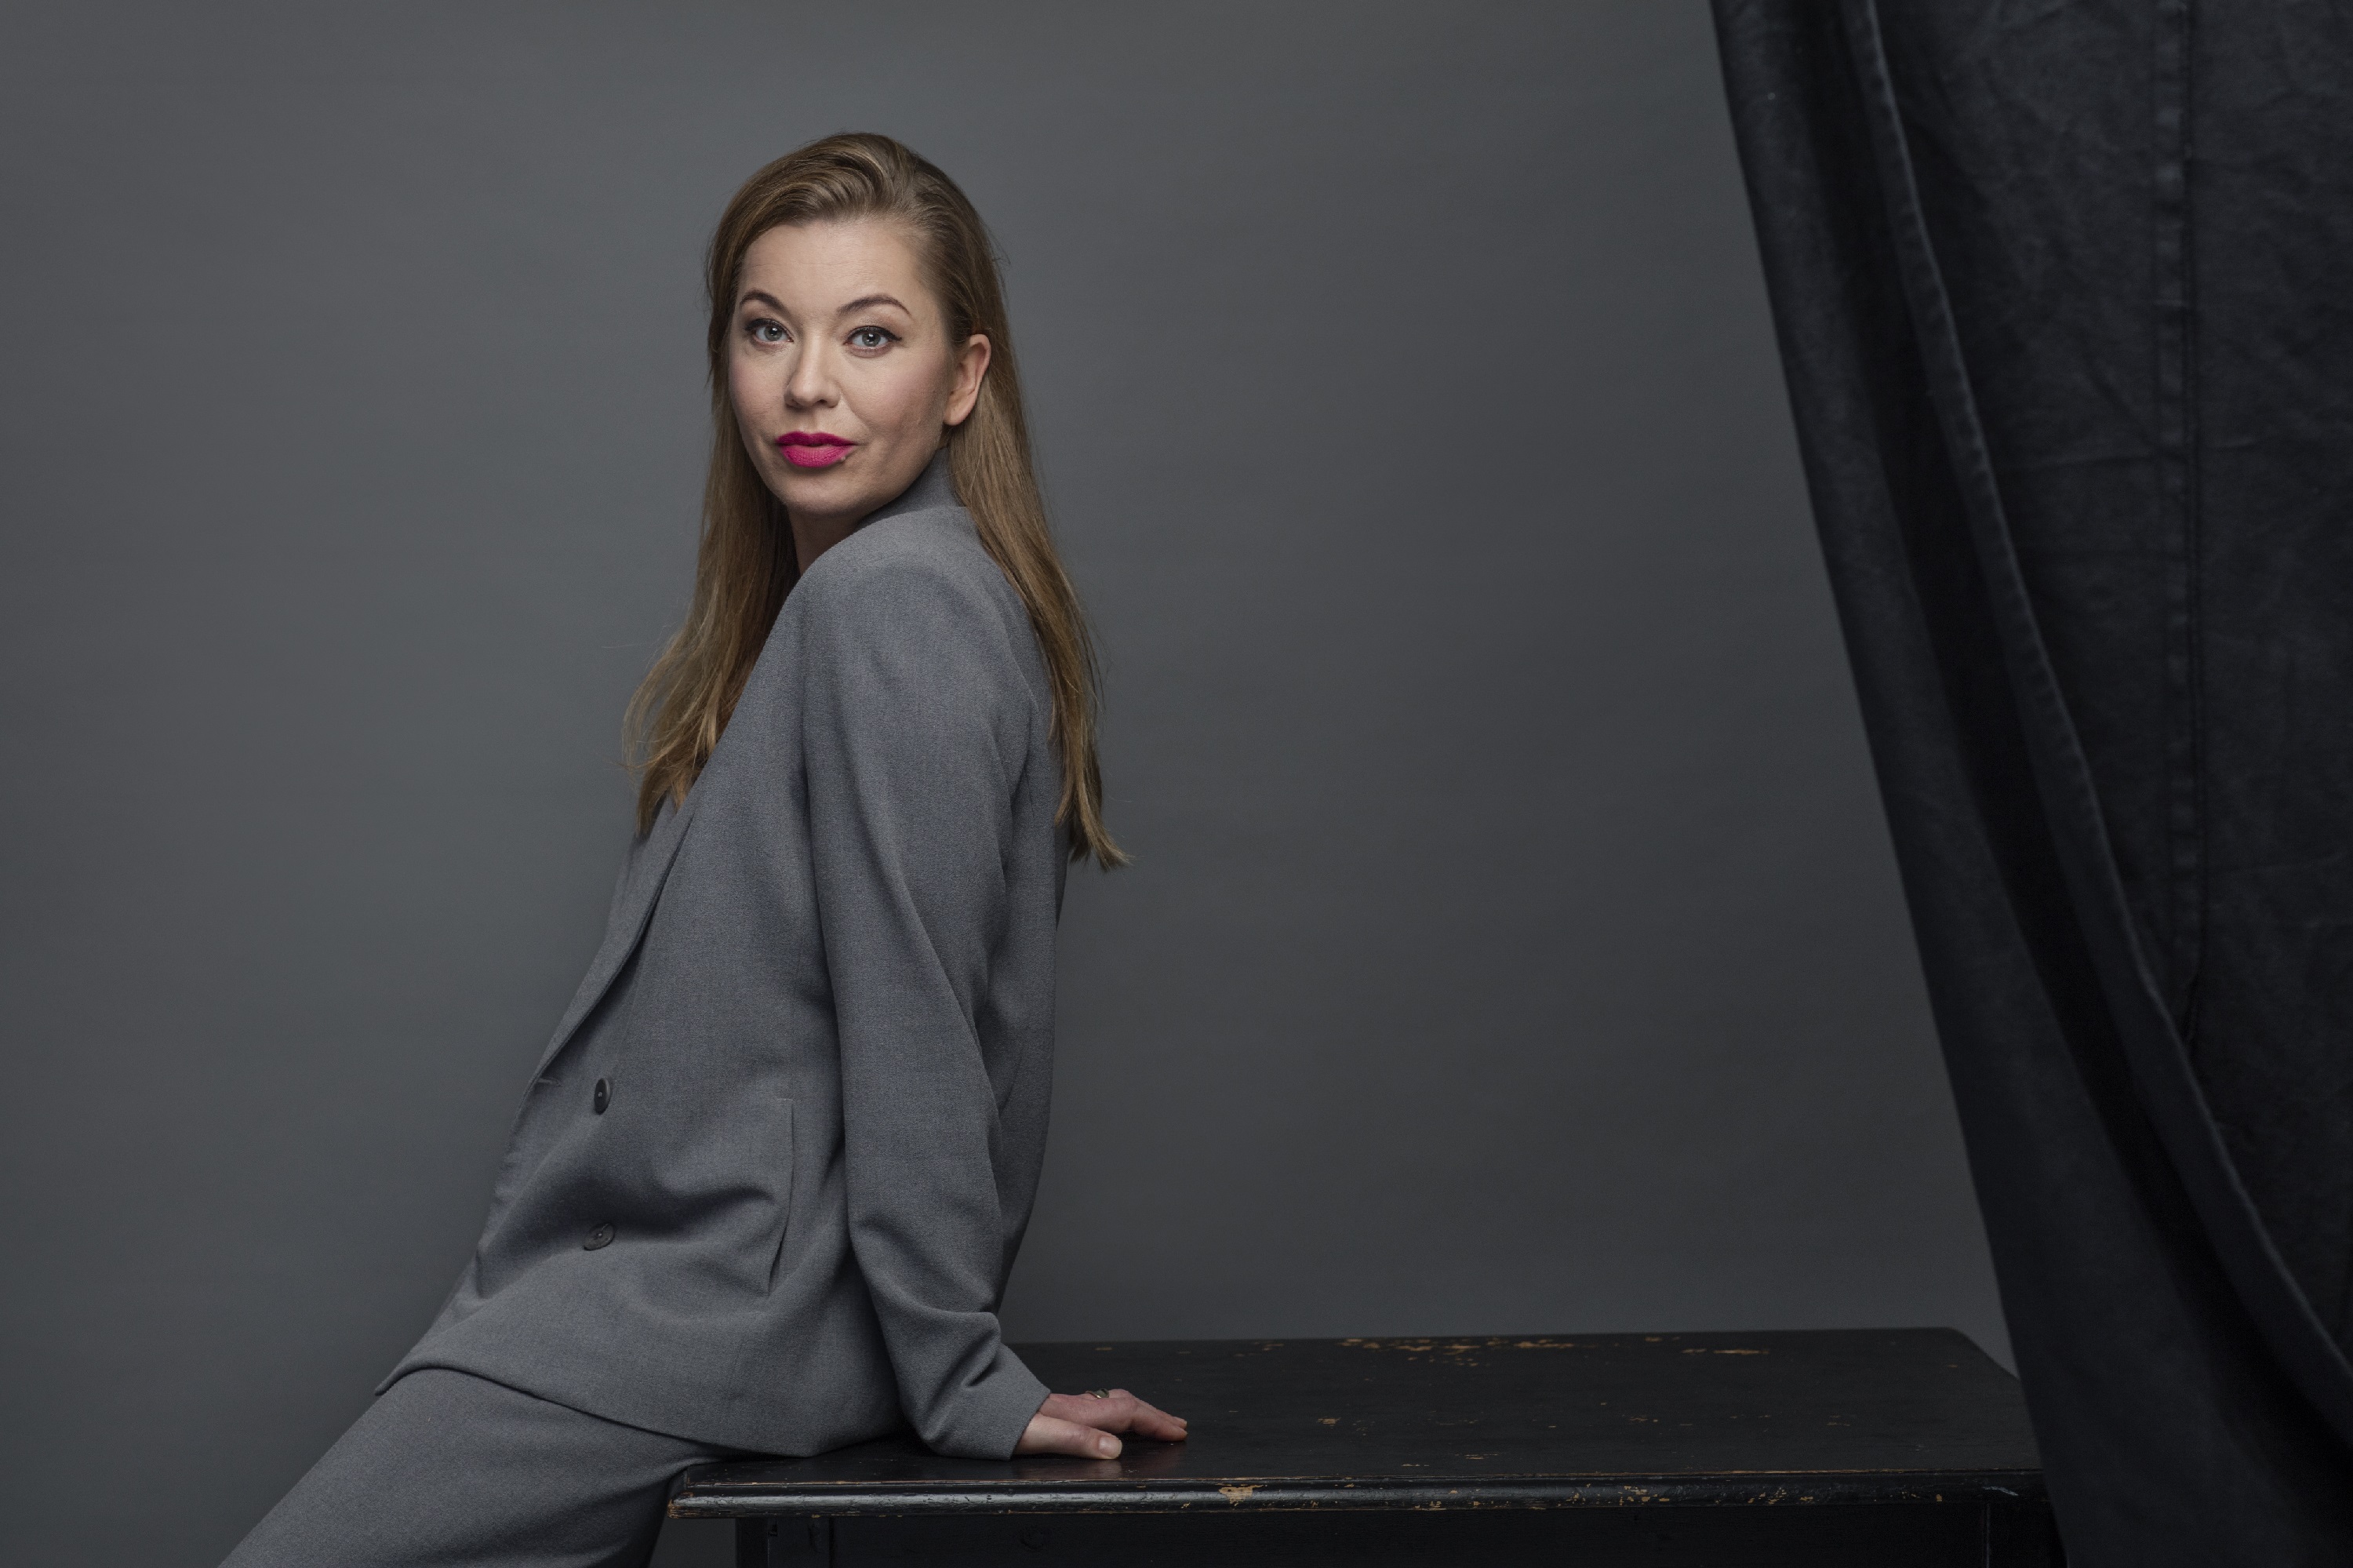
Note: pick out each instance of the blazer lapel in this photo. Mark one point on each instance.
(631, 910)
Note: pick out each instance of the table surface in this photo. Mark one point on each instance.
(1790, 1417)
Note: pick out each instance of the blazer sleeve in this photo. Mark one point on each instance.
(917, 723)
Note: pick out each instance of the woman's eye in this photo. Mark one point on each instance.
(871, 337)
(767, 331)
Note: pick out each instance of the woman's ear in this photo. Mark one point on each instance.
(972, 364)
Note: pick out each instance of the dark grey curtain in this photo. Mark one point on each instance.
(2065, 297)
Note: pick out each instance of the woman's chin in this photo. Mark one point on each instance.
(828, 488)
(852, 486)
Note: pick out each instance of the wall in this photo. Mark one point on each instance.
(1513, 942)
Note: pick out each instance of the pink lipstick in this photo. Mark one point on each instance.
(813, 448)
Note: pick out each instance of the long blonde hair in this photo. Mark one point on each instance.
(746, 564)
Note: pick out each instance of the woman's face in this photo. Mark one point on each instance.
(842, 372)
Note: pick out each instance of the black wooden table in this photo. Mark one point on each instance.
(1890, 1448)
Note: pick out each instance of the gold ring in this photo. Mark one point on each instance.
(1098, 1394)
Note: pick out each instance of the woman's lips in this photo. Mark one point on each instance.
(813, 448)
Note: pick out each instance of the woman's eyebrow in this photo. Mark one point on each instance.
(863, 302)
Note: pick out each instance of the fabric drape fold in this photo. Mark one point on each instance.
(1986, 233)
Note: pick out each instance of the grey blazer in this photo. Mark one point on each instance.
(770, 1175)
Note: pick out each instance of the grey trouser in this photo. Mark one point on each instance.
(446, 1469)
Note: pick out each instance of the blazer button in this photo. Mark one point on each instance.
(601, 1236)
(603, 1096)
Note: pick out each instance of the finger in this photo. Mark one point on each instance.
(1052, 1435)
(1130, 1413)
(1116, 1410)
(1150, 1421)
(1135, 1415)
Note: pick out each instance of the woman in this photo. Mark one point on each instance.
(770, 1174)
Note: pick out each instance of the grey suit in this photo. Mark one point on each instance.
(768, 1181)
(446, 1469)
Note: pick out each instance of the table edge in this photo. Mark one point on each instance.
(1730, 1489)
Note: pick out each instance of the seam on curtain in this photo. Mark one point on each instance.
(2176, 475)
(2157, 1064)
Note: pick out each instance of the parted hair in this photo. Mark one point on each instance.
(745, 565)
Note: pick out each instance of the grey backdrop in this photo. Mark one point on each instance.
(1513, 943)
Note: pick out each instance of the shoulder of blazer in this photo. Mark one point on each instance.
(938, 542)
(919, 570)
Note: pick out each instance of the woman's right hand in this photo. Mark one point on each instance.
(1084, 1425)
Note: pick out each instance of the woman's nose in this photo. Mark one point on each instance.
(811, 384)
